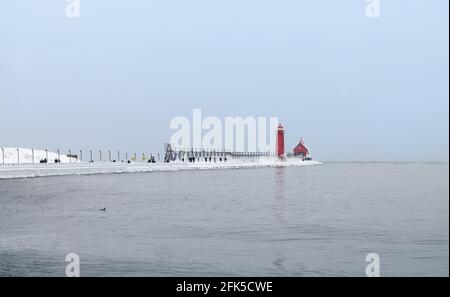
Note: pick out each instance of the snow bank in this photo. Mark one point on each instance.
(51, 169)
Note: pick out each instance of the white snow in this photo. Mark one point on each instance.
(12, 169)
(25, 156)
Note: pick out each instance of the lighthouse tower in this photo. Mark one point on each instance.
(280, 141)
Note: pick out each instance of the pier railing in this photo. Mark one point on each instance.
(108, 156)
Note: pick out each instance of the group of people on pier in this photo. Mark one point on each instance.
(212, 156)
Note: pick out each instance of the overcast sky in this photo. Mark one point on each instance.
(356, 88)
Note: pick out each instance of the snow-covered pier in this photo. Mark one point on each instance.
(21, 166)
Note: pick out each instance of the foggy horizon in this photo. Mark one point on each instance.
(355, 88)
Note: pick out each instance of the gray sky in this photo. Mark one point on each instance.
(356, 88)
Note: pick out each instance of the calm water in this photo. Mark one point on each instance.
(304, 221)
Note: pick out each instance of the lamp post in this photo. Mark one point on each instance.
(109, 156)
(100, 154)
(70, 156)
(58, 155)
(118, 156)
(126, 156)
(3, 156)
(81, 156)
(90, 152)
(46, 155)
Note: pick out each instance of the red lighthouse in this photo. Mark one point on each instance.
(280, 141)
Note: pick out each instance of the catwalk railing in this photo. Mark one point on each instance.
(109, 156)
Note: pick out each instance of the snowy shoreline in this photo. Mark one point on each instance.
(25, 163)
(44, 170)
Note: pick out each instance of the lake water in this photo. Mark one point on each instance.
(299, 221)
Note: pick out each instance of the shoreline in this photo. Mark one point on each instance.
(47, 170)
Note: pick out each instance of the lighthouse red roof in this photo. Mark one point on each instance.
(301, 149)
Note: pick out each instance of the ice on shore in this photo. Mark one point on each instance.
(73, 167)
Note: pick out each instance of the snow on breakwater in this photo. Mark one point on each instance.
(43, 170)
